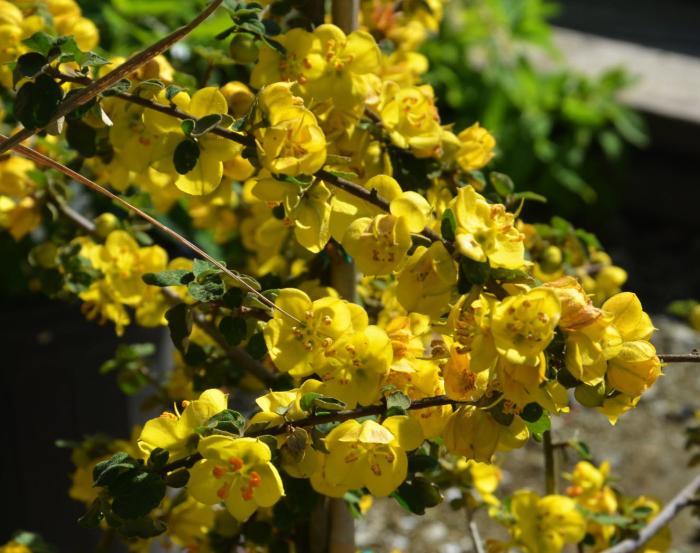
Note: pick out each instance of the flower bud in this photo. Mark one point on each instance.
(244, 48)
(106, 223)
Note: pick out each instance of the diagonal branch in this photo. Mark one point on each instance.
(684, 498)
(113, 77)
(46, 161)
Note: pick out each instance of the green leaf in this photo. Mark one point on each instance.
(187, 126)
(233, 298)
(175, 277)
(136, 493)
(37, 101)
(207, 289)
(228, 421)
(397, 404)
(474, 272)
(256, 346)
(158, 457)
(28, 65)
(234, 329)
(40, 42)
(313, 401)
(206, 124)
(179, 320)
(82, 138)
(532, 412)
(448, 225)
(122, 87)
(681, 308)
(106, 471)
(93, 516)
(541, 425)
(417, 495)
(186, 156)
(201, 267)
(172, 90)
(502, 184)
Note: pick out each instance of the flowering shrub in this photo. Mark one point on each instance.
(398, 320)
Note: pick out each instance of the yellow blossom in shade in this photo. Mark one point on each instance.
(425, 284)
(589, 348)
(238, 96)
(370, 454)
(476, 148)
(236, 471)
(486, 232)
(461, 383)
(299, 464)
(636, 366)
(213, 150)
(14, 178)
(485, 477)
(379, 245)
(616, 406)
(519, 382)
(189, 522)
(472, 433)
(19, 218)
(13, 546)
(290, 142)
(355, 366)
(176, 431)
(410, 117)
(523, 326)
(299, 347)
(545, 524)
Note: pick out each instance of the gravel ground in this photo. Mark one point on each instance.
(645, 448)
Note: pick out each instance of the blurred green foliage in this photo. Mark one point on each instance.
(557, 130)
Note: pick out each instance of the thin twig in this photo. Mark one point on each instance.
(684, 498)
(550, 463)
(692, 357)
(41, 159)
(113, 77)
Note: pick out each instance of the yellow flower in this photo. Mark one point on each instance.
(176, 432)
(205, 175)
(301, 62)
(189, 522)
(13, 546)
(370, 454)
(19, 218)
(14, 178)
(307, 209)
(355, 366)
(349, 59)
(425, 284)
(475, 434)
(476, 148)
(299, 348)
(545, 524)
(461, 383)
(306, 462)
(290, 142)
(636, 366)
(236, 471)
(576, 306)
(379, 245)
(523, 326)
(486, 232)
(588, 487)
(410, 117)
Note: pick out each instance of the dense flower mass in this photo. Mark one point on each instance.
(403, 325)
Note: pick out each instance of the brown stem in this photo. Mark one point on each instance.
(692, 357)
(684, 498)
(113, 77)
(550, 463)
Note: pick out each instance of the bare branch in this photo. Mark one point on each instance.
(692, 357)
(113, 77)
(685, 498)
